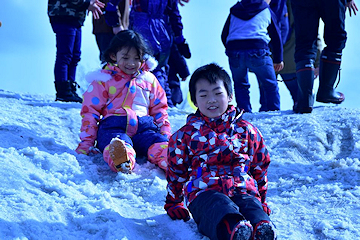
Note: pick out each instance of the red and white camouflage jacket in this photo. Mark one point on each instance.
(227, 154)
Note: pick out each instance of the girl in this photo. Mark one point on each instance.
(125, 108)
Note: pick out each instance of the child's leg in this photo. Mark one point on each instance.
(262, 66)
(150, 143)
(251, 208)
(119, 155)
(215, 214)
(239, 73)
(157, 154)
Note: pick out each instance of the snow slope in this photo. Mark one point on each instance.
(48, 191)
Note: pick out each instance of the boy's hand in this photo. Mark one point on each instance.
(177, 211)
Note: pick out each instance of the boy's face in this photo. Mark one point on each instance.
(211, 99)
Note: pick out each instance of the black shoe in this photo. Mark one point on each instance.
(64, 92)
(73, 86)
(335, 97)
(301, 110)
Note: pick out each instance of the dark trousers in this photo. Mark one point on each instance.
(307, 14)
(211, 207)
(68, 50)
(115, 126)
(103, 41)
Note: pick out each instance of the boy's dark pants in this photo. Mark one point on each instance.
(211, 207)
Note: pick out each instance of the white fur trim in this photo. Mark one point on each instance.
(150, 61)
(97, 76)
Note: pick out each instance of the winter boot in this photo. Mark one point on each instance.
(74, 85)
(157, 154)
(120, 156)
(264, 230)
(329, 68)
(242, 231)
(64, 92)
(305, 80)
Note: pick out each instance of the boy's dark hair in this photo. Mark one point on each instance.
(126, 39)
(211, 72)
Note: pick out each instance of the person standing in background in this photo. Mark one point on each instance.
(307, 14)
(66, 19)
(288, 73)
(248, 31)
(117, 20)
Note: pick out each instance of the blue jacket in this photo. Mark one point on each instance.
(150, 18)
(246, 10)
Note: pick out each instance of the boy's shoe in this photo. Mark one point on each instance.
(242, 231)
(264, 231)
(118, 154)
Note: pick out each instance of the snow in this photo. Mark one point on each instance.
(48, 191)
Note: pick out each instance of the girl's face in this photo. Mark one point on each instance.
(128, 60)
(211, 99)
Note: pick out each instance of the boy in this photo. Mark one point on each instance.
(218, 162)
(246, 36)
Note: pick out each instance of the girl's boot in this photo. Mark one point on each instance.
(120, 156)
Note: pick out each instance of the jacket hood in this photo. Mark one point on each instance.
(247, 9)
(231, 115)
(109, 69)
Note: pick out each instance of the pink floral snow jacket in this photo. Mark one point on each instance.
(227, 154)
(115, 93)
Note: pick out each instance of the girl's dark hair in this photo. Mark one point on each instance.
(211, 72)
(126, 39)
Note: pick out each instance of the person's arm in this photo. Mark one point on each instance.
(158, 108)
(90, 113)
(351, 5)
(177, 175)
(275, 43)
(260, 163)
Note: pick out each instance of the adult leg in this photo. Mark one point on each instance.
(103, 41)
(333, 16)
(291, 84)
(73, 64)
(239, 73)
(306, 18)
(66, 36)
